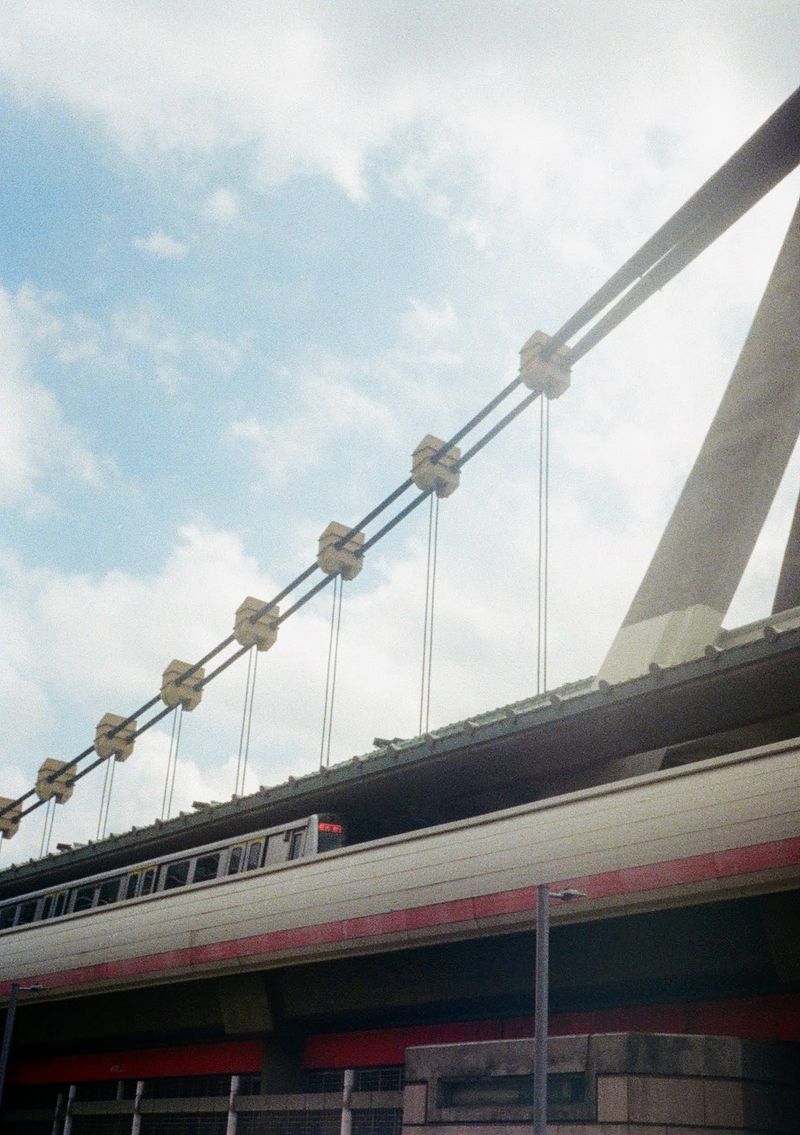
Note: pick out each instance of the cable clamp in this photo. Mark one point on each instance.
(184, 692)
(254, 629)
(54, 780)
(549, 376)
(120, 745)
(9, 820)
(338, 556)
(440, 476)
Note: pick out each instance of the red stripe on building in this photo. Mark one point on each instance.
(627, 881)
(199, 1060)
(775, 1017)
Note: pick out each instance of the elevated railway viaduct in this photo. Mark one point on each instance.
(672, 800)
(232, 972)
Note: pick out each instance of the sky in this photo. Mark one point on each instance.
(251, 254)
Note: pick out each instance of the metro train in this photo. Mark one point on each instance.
(720, 828)
(213, 862)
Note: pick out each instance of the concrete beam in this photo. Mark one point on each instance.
(693, 576)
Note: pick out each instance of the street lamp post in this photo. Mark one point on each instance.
(8, 1031)
(542, 997)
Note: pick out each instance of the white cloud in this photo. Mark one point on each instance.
(331, 413)
(131, 340)
(161, 246)
(222, 206)
(428, 322)
(474, 111)
(507, 127)
(35, 438)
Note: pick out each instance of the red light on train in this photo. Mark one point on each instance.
(324, 827)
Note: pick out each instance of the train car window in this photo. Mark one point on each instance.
(84, 898)
(176, 874)
(206, 867)
(140, 883)
(254, 854)
(235, 859)
(7, 916)
(27, 911)
(296, 843)
(331, 834)
(55, 904)
(108, 891)
(276, 849)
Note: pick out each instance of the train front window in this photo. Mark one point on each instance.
(296, 844)
(331, 834)
(206, 867)
(276, 849)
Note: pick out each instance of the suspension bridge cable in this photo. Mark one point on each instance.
(237, 654)
(427, 637)
(105, 799)
(290, 611)
(172, 763)
(546, 589)
(771, 153)
(247, 720)
(540, 551)
(425, 615)
(757, 166)
(47, 830)
(330, 673)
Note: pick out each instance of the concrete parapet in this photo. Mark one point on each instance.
(614, 1084)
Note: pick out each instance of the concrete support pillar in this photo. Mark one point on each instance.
(230, 1127)
(699, 562)
(346, 1126)
(787, 593)
(73, 1091)
(136, 1123)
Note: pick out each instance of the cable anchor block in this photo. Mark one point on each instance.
(9, 821)
(120, 745)
(440, 476)
(260, 632)
(338, 556)
(185, 692)
(549, 376)
(54, 781)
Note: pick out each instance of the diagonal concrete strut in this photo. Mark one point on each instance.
(692, 578)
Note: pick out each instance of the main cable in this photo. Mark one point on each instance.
(759, 164)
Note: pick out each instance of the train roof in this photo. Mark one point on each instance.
(742, 692)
